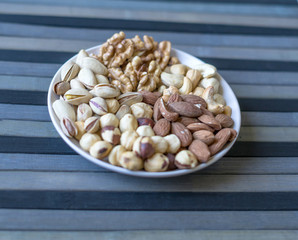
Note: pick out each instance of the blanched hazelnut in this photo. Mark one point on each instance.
(128, 122)
(185, 160)
(100, 149)
(115, 155)
(128, 138)
(141, 110)
(171, 158)
(81, 130)
(173, 143)
(113, 105)
(145, 130)
(131, 161)
(92, 124)
(111, 134)
(88, 139)
(160, 144)
(143, 146)
(146, 121)
(157, 163)
(109, 119)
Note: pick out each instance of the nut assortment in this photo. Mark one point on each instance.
(137, 107)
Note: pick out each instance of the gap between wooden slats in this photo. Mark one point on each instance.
(197, 7)
(94, 181)
(11, 219)
(233, 52)
(153, 234)
(76, 163)
(128, 14)
(46, 129)
(98, 36)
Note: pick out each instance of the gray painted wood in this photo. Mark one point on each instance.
(71, 163)
(89, 181)
(16, 43)
(20, 219)
(198, 7)
(46, 129)
(127, 14)
(152, 234)
(99, 36)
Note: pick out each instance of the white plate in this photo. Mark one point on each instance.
(184, 58)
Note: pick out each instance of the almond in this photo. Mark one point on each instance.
(174, 98)
(185, 109)
(199, 126)
(200, 150)
(225, 121)
(194, 99)
(233, 134)
(162, 127)
(182, 133)
(156, 112)
(210, 121)
(205, 136)
(187, 120)
(150, 97)
(206, 112)
(170, 116)
(221, 138)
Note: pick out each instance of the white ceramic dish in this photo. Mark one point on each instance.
(184, 58)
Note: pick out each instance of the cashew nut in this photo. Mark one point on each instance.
(168, 92)
(206, 70)
(219, 98)
(180, 69)
(198, 91)
(186, 87)
(172, 79)
(212, 105)
(227, 111)
(207, 82)
(194, 76)
(161, 88)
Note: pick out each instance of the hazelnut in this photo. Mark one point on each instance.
(128, 138)
(173, 143)
(100, 149)
(128, 122)
(143, 146)
(145, 130)
(115, 155)
(109, 119)
(88, 139)
(141, 110)
(145, 121)
(157, 163)
(81, 130)
(111, 134)
(131, 161)
(171, 158)
(91, 124)
(185, 160)
(160, 144)
(113, 105)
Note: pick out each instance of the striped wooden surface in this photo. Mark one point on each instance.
(49, 192)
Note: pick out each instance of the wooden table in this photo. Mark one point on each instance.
(49, 192)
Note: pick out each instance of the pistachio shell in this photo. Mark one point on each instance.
(130, 98)
(84, 111)
(68, 127)
(63, 109)
(69, 71)
(87, 78)
(77, 96)
(61, 87)
(75, 83)
(92, 124)
(93, 64)
(98, 105)
(105, 90)
(82, 54)
(101, 78)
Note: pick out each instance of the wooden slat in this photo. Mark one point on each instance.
(185, 17)
(143, 220)
(198, 7)
(16, 43)
(46, 129)
(69, 163)
(98, 35)
(82, 181)
(150, 234)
